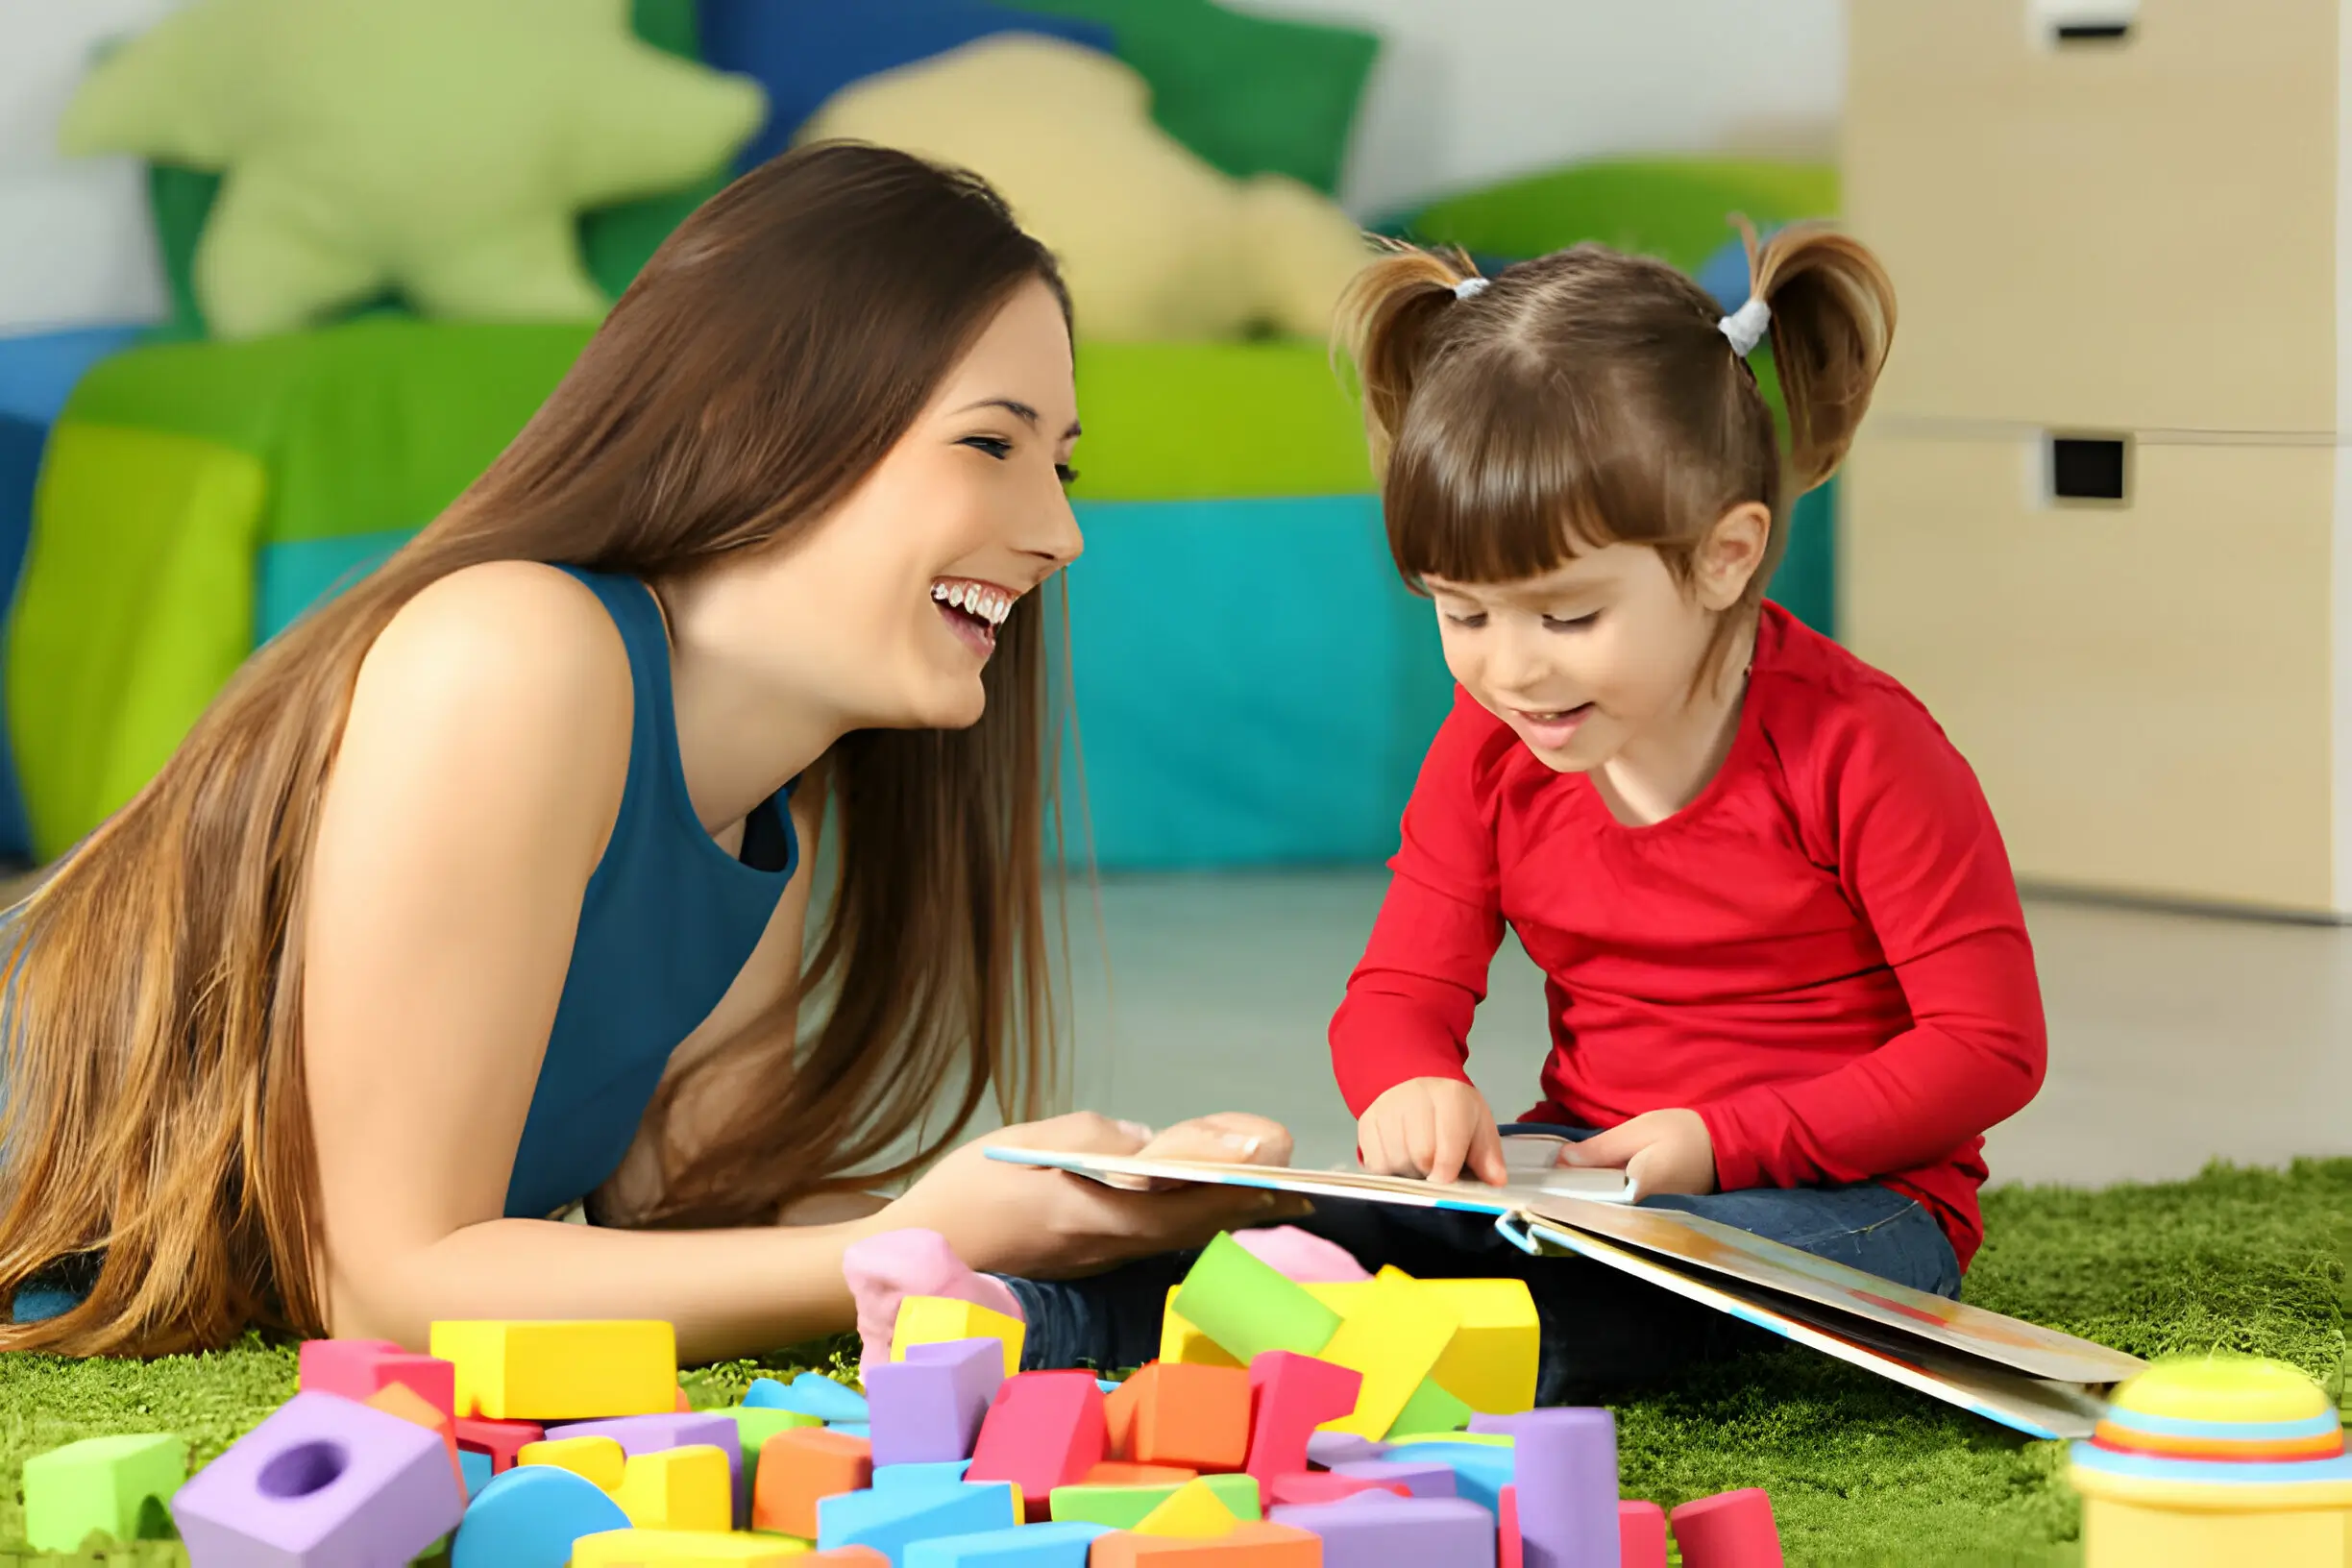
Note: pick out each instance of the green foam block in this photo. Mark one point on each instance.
(1431, 1409)
(756, 1426)
(1123, 1508)
(1248, 1308)
(119, 1485)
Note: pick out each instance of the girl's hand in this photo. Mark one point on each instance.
(1049, 1224)
(1660, 1151)
(1440, 1128)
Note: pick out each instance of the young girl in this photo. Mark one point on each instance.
(1788, 977)
(479, 894)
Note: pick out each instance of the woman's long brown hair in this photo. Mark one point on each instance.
(154, 1128)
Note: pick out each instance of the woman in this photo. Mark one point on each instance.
(481, 891)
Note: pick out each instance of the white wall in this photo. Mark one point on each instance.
(1470, 91)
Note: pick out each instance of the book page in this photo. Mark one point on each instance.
(1596, 1186)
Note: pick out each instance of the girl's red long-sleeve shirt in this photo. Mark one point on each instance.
(1823, 954)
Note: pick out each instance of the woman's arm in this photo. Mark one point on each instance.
(479, 777)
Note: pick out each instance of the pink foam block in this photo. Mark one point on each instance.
(1730, 1530)
(929, 1409)
(1508, 1553)
(502, 1440)
(1641, 1535)
(356, 1368)
(1291, 1395)
(1043, 1430)
(1376, 1529)
(325, 1481)
(1319, 1487)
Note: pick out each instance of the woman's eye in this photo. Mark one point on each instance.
(995, 447)
(1570, 623)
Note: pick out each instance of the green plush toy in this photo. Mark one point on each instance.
(442, 148)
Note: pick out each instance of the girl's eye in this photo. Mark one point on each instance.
(1471, 621)
(1066, 474)
(1574, 622)
(995, 447)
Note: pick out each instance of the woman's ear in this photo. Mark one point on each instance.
(1732, 553)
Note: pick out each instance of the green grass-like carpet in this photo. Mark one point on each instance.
(1860, 1472)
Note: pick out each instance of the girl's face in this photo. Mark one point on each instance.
(1600, 653)
(885, 608)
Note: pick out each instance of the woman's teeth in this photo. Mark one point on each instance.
(990, 605)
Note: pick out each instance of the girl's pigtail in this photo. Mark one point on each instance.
(1832, 321)
(1385, 325)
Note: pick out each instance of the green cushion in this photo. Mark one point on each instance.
(136, 608)
(385, 188)
(1676, 209)
(1250, 94)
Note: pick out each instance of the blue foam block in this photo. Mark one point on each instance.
(889, 1522)
(1480, 1472)
(476, 1469)
(529, 1517)
(811, 1393)
(1063, 1545)
(889, 1478)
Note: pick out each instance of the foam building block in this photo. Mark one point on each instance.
(1126, 1506)
(400, 1400)
(1248, 1308)
(932, 1320)
(1431, 1409)
(600, 1461)
(890, 1477)
(1127, 1473)
(1329, 1448)
(1291, 1395)
(1375, 1529)
(121, 1485)
(1492, 1362)
(1481, 1471)
(563, 1371)
(355, 1368)
(797, 1468)
(889, 1522)
(1254, 1545)
(1031, 1546)
(1044, 1430)
(651, 1433)
(854, 1429)
(321, 1479)
(1418, 1478)
(1509, 1551)
(811, 1393)
(529, 1516)
(1195, 1416)
(474, 1471)
(1394, 1337)
(678, 1488)
(1182, 1343)
(752, 1429)
(928, 1407)
(863, 1557)
(1641, 1536)
(502, 1440)
(1566, 1473)
(688, 1549)
(1193, 1512)
(1730, 1530)
(1312, 1486)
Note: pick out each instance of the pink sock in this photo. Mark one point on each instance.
(1300, 1258)
(883, 1270)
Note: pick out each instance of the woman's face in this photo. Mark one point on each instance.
(885, 609)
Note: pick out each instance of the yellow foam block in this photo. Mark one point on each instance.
(684, 1549)
(1394, 1334)
(1182, 1343)
(510, 1371)
(599, 1459)
(934, 1320)
(1343, 1297)
(1491, 1363)
(1193, 1512)
(677, 1488)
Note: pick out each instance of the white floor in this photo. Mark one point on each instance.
(2174, 1039)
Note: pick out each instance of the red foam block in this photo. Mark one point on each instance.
(1291, 1395)
(1322, 1486)
(1043, 1430)
(1510, 1552)
(1641, 1535)
(356, 1368)
(502, 1440)
(1730, 1530)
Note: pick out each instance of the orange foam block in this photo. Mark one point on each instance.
(798, 1467)
(355, 1368)
(1172, 1413)
(1120, 1473)
(1251, 1545)
(1043, 1430)
(1291, 1396)
(400, 1400)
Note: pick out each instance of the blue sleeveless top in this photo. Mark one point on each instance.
(668, 920)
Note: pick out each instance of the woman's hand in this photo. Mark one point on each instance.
(1440, 1128)
(1660, 1151)
(1046, 1224)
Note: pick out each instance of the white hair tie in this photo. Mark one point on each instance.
(1745, 327)
(1469, 288)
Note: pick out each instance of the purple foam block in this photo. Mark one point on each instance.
(1567, 1478)
(685, 1429)
(1417, 1479)
(1380, 1530)
(324, 1482)
(927, 1409)
(1329, 1448)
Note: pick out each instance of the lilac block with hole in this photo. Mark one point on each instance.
(1420, 1478)
(927, 1409)
(1566, 1470)
(1380, 1530)
(324, 1482)
(685, 1429)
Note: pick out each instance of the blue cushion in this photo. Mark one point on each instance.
(39, 370)
(20, 453)
(805, 51)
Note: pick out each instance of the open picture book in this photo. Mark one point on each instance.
(2031, 1378)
